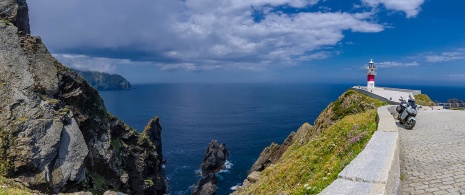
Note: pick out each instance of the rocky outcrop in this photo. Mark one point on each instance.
(272, 153)
(105, 81)
(55, 133)
(213, 161)
(16, 12)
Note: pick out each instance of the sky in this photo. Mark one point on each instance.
(258, 41)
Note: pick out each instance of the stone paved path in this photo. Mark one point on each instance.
(433, 154)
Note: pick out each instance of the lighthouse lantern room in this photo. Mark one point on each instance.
(371, 72)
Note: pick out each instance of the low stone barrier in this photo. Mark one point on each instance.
(414, 92)
(362, 91)
(376, 170)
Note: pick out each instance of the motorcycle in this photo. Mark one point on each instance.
(407, 111)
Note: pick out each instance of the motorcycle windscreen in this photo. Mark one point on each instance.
(404, 115)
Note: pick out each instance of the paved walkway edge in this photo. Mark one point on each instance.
(376, 170)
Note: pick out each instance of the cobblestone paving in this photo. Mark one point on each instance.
(432, 155)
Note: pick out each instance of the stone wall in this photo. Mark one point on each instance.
(376, 170)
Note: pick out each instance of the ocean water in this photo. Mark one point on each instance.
(246, 117)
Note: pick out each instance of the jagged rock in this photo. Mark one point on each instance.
(153, 132)
(16, 12)
(213, 161)
(105, 81)
(113, 193)
(272, 153)
(205, 186)
(214, 158)
(124, 179)
(254, 176)
(55, 133)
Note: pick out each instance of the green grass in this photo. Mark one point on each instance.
(5, 21)
(310, 168)
(7, 189)
(339, 134)
(352, 102)
(424, 100)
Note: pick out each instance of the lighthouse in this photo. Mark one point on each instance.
(371, 72)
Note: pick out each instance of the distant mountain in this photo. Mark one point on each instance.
(105, 81)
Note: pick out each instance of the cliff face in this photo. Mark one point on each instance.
(55, 133)
(105, 81)
(311, 158)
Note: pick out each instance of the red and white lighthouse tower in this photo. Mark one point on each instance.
(371, 72)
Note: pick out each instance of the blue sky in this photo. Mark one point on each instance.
(210, 41)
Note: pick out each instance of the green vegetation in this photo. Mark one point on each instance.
(5, 21)
(111, 117)
(63, 111)
(352, 102)
(310, 168)
(313, 162)
(424, 100)
(149, 182)
(5, 143)
(53, 101)
(7, 189)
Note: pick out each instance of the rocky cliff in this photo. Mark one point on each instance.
(55, 133)
(311, 158)
(105, 81)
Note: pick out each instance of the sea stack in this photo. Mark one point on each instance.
(213, 161)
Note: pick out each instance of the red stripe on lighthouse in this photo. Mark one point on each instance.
(371, 77)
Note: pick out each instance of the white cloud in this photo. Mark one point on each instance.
(387, 64)
(87, 63)
(195, 35)
(396, 64)
(459, 54)
(410, 7)
(457, 76)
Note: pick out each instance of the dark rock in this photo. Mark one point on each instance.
(105, 81)
(213, 161)
(273, 153)
(55, 133)
(153, 132)
(113, 193)
(205, 186)
(214, 158)
(16, 12)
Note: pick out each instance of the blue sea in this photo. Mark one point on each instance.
(246, 117)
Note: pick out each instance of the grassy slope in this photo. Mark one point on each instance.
(310, 165)
(424, 100)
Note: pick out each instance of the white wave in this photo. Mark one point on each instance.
(228, 165)
(198, 172)
(234, 188)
